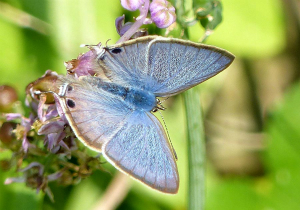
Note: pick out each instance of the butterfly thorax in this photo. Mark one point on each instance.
(138, 98)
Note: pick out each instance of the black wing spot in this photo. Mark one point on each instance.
(70, 88)
(70, 103)
(116, 50)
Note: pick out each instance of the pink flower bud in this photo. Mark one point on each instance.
(13, 116)
(132, 5)
(52, 127)
(84, 64)
(162, 13)
(121, 26)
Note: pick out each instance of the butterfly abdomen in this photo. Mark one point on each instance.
(140, 99)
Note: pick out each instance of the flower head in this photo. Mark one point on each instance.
(34, 177)
(132, 5)
(85, 64)
(162, 13)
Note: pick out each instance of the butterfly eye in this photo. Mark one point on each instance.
(70, 103)
(70, 88)
(116, 51)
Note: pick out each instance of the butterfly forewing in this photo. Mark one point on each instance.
(126, 60)
(140, 148)
(93, 114)
(163, 66)
(177, 66)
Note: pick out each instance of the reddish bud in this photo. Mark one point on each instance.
(8, 96)
(6, 132)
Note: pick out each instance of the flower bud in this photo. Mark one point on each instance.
(51, 127)
(35, 181)
(6, 132)
(132, 5)
(45, 83)
(8, 96)
(85, 64)
(162, 13)
(122, 27)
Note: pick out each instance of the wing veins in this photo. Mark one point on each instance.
(135, 143)
(89, 129)
(177, 72)
(204, 66)
(208, 74)
(203, 59)
(153, 61)
(165, 172)
(125, 116)
(122, 66)
(138, 57)
(142, 152)
(155, 174)
(217, 59)
(88, 98)
(84, 110)
(169, 60)
(78, 123)
(172, 165)
(146, 165)
(168, 143)
(131, 64)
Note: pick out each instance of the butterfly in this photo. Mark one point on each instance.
(111, 113)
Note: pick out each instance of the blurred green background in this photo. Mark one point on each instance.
(251, 110)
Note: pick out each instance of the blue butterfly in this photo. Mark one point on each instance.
(111, 113)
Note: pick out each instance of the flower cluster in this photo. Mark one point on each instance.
(44, 141)
(162, 13)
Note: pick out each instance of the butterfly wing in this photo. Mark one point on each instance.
(140, 148)
(126, 63)
(94, 115)
(163, 66)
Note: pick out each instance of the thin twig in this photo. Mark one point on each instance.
(23, 19)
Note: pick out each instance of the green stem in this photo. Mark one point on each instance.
(196, 150)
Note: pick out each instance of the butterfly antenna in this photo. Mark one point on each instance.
(107, 42)
(174, 152)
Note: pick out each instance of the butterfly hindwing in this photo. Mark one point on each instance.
(140, 148)
(94, 114)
